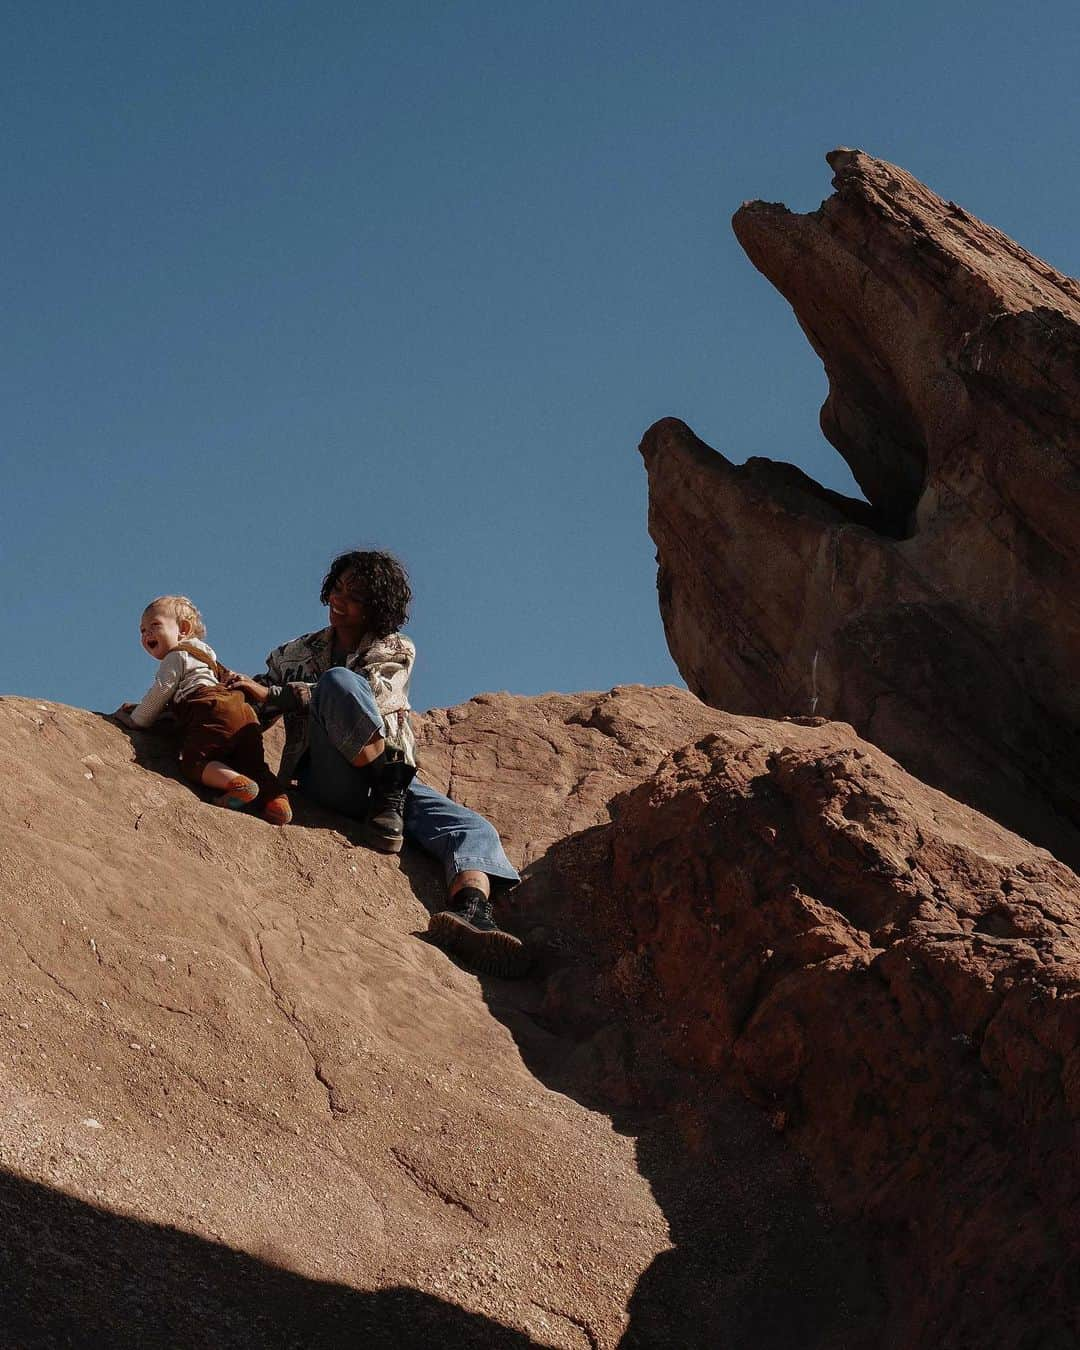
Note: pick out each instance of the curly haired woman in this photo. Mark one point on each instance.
(344, 694)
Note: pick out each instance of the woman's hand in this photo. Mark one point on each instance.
(251, 689)
(123, 715)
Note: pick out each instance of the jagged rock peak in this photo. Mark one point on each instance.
(909, 300)
(942, 615)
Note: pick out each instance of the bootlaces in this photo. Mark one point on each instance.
(476, 909)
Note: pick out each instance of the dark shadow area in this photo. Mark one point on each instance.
(77, 1276)
(758, 1262)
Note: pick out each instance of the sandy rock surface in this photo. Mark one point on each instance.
(941, 617)
(246, 1104)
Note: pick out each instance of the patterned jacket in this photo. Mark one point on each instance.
(293, 668)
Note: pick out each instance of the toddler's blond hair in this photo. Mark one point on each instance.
(179, 607)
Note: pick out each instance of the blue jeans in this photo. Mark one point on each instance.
(342, 719)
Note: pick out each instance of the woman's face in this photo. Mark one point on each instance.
(347, 608)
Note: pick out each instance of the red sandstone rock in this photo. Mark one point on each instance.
(892, 977)
(942, 619)
(546, 767)
(244, 1103)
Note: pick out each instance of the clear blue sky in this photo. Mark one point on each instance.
(281, 279)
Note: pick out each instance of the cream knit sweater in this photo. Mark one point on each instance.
(179, 674)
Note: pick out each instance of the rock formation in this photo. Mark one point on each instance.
(797, 1063)
(244, 1103)
(941, 617)
(892, 977)
(798, 1060)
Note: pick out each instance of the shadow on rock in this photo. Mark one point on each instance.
(75, 1275)
(757, 1262)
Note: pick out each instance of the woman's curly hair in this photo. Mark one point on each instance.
(383, 582)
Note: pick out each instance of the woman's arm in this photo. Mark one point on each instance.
(278, 690)
(251, 688)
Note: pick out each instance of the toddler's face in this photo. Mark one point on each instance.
(159, 633)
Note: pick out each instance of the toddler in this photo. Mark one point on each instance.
(218, 725)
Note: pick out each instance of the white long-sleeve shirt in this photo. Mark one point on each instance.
(179, 674)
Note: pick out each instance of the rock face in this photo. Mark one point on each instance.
(797, 1063)
(894, 978)
(941, 617)
(244, 1103)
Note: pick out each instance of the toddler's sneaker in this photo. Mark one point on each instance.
(277, 810)
(241, 792)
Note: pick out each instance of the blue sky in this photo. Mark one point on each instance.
(284, 279)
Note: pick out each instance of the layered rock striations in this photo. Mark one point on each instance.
(941, 617)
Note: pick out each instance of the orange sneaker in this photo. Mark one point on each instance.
(241, 792)
(277, 810)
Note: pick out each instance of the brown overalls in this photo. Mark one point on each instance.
(218, 723)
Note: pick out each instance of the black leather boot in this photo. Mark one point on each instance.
(467, 928)
(384, 827)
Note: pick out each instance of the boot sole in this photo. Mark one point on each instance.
(491, 951)
(382, 843)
